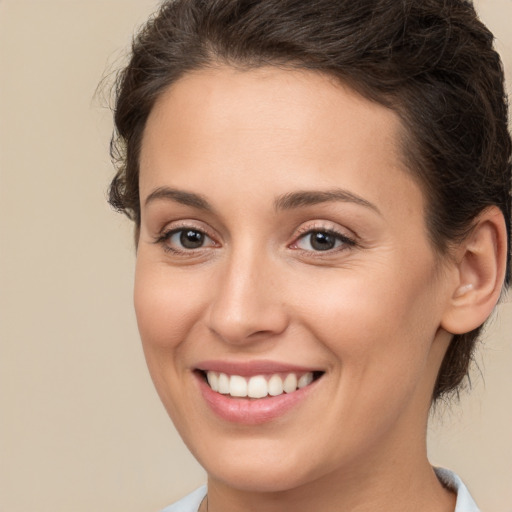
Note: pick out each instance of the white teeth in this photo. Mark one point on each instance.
(275, 385)
(257, 386)
(305, 380)
(237, 386)
(290, 383)
(213, 380)
(223, 384)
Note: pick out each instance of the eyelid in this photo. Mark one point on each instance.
(348, 239)
(163, 236)
(182, 224)
(323, 225)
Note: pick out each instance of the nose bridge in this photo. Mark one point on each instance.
(246, 303)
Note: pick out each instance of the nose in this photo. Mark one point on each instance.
(248, 304)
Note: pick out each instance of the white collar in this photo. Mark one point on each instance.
(465, 502)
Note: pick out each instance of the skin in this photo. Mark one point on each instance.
(368, 313)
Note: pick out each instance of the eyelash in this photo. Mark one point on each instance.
(164, 238)
(346, 242)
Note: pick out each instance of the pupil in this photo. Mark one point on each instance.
(191, 239)
(322, 241)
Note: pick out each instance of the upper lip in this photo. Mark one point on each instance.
(250, 368)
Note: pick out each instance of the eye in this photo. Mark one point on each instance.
(185, 239)
(188, 238)
(322, 240)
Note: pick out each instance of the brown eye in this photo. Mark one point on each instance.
(322, 241)
(191, 239)
(187, 239)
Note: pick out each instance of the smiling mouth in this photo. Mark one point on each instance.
(259, 386)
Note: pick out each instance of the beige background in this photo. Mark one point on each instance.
(81, 428)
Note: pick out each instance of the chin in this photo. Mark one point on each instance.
(260, 466)
(259, 478)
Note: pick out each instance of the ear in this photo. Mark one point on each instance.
(480, 262)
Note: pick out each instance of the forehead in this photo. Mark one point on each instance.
(269, 100)
(271, 127)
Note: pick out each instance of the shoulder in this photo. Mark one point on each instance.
(189, 503)
(449, 479)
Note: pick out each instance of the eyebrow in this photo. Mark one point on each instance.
(313, 197)
(179, 196)
(288, 201)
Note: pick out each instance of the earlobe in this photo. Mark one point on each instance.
(481, 265)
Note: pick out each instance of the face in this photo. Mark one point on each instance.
(283, 257)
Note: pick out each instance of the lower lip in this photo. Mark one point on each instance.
(252, 411)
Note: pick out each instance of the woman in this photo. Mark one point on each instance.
(321, 195)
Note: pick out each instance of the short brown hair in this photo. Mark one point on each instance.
(431, 61)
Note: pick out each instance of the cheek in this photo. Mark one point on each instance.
(383, 325)
(166, 304)
(379, 353)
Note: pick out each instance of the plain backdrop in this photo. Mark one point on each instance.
(81, 428)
